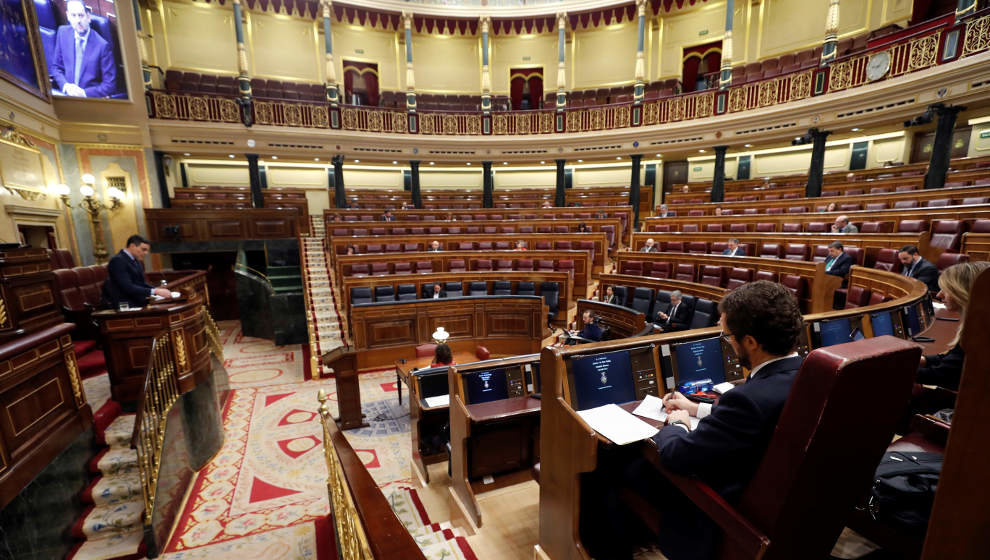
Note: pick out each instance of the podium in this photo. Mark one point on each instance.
(128, 335)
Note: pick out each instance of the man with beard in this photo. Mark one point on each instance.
(762, 322)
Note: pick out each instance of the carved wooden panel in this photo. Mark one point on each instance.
(507, 323)
(458, 325)
(272, 228)
(34, 405)
(227, 229)
(137, 354)
(402, 331)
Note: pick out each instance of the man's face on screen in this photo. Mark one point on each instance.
(77, 15)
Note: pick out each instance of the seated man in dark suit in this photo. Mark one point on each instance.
(838, 262)
(125, 276)
(434, 247)
(83, 64)
(734, 249)
(762, 322)
(590, 331)
(649, 247)
(436, 293)
(677, 318)
(914, 266)
(387, 216)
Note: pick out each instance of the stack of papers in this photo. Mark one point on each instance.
(652, 408)
(441, 400)
(617, 424)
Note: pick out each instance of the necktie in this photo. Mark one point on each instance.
(671, 316)
(79, 59)
(907, 272)
(828, 265)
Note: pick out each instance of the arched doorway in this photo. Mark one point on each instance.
(526, 88)
(700, 66)
(360, 83)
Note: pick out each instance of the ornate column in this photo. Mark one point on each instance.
(640, 77)
(725, 74)
(417, 197)
(488, 185)
(486, 74)
(634, 189)
(333, 92)
(830, 46)
(407, 19)
(561, 65)
(817, 168)
(938, 165)
(718, 182)
(254, 176)
(965, 8)
(560, 197)
(142, 48)
(243, 77)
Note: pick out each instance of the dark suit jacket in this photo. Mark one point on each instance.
(388, 218)
(429, 294)
(927, 273)
(591, 332)
(432, 250)
(645, 249)
(679, 321)
(841, 265)
(727, 447)
(611, 299)
(944, 370)
(98, 75)
(740, 251)
(125, 282)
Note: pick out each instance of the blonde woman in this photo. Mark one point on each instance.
(954, 284)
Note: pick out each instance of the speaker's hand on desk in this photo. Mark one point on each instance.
(675, 401)
(681, 415)
(163, 292)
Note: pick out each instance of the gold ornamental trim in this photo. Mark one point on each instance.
(70, 364)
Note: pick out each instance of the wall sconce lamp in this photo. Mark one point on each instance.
(93, 206)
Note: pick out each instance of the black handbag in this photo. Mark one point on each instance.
(904, 489)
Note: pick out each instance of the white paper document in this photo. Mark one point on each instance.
(652, 408)
(617, 424)
(723, 388)
(440, 400)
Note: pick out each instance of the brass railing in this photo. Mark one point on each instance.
(212, 333)
(912, 53)
(365, 526)
(159, 393)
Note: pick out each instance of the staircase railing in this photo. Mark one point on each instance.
(365, 526)
(159, 393)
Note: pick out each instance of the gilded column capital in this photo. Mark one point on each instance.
(407, 18)
(561, 20)
(641, 7)
(326, 5)
(486, 23)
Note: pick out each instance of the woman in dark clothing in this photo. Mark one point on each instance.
(955, 284)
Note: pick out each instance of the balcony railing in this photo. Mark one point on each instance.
(925, 49)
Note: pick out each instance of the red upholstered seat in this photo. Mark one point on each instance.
(425, 350)
(565, 265)
(544, 265)
(816, 227)
(771, 250)
(905, 188)
(764, 227)
(713, 228)
(410, 247)
(856, 254)
(975, 200)
(562, 245)
(938, 202)
(980, 226)
(503, 264)
(876, 298)
(912, 226)
(673, 247)
(853, 192)
(393, 248)
(766, 275)
(713, 275)
(737, 228)
(797, 252)
(874, 206)
(775, 210)
(453, 230)
(877, 227)
(857, 296)
(482, 264)
(796, 284)
(665, 228)
(879, 190)
(588, 246)
(750, 211)
(632, 267)
(502, 246)
(373, 248)
(738, 277)
(379, 268)
(684, 272)
(457, 265)
(693, 213)
(524, 264)
(887, 260)
(852, 207)
(659, 270)
(360, 269)
(465, 246)
(92, 364)
(689, 228)
(902, 204)
(485, 245)
(424, 267)
(542, 246)
(947, 234)
(796, 209)
(525, 229)
(697, 247)
(945, 260)
(402, 267)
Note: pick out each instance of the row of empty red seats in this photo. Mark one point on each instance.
(847, 207)
(459, 265)
(566, 245)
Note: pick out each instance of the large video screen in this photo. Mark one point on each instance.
(82, 48)
(603, 379)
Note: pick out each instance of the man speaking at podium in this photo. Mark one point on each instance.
(125, 276)
(762, 322)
